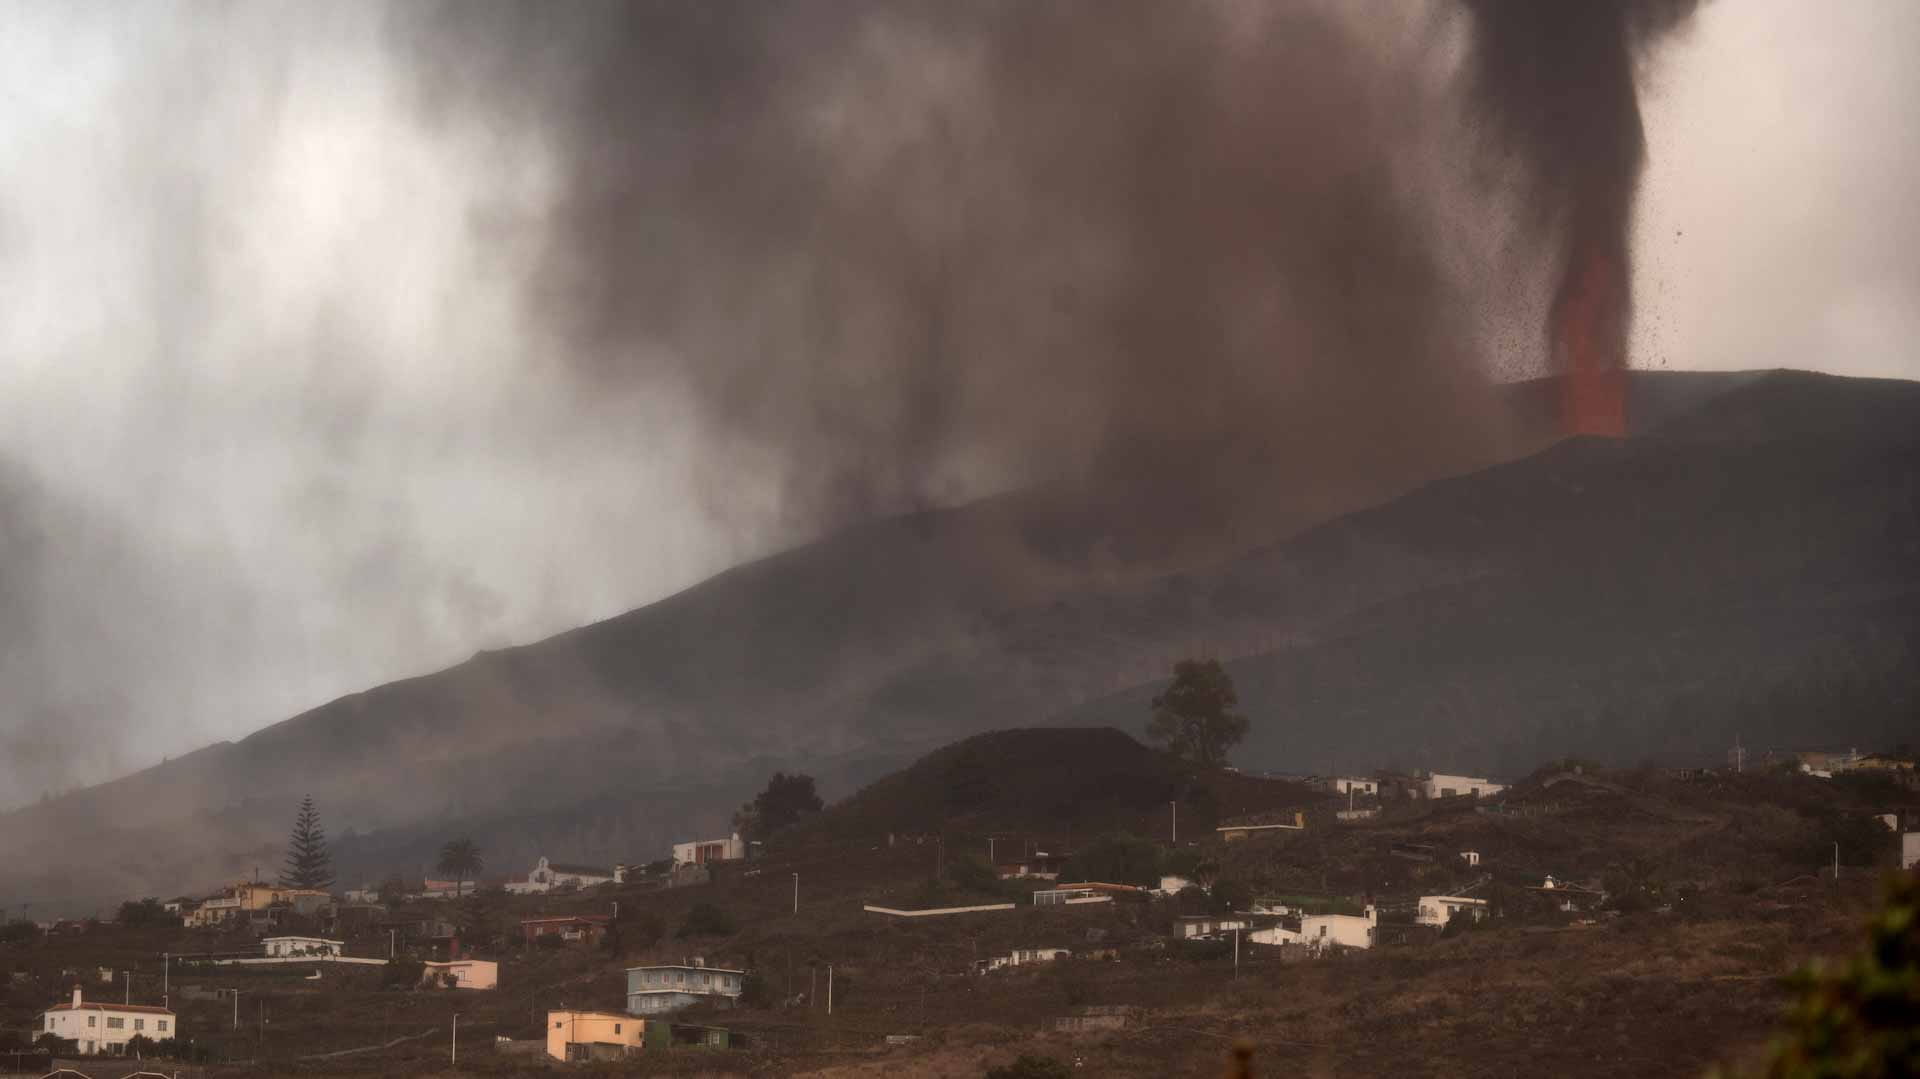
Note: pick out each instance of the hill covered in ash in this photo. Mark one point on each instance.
(1061, 781)
(1744, 564)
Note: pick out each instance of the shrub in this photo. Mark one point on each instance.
(755, 992)
(646, 929)
(970, 874)
(1116, 859)
(402, 972)
(1029, 1066)
(707, 920)
(1860, 1017)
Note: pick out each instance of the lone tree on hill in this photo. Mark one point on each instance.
(786, 800)
(460, 859)
(1194, 717)
(309, 865)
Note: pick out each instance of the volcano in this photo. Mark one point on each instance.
(1743, 563)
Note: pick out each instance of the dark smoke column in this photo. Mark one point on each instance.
(1554, 80)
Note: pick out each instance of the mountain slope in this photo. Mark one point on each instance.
(1746, 562)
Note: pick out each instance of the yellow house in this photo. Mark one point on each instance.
(249, 896)
(579, 1036)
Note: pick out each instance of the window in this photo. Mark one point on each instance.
(139, 1024)
(160, 1025)
(92, 1019)
(49, 1022)
(616, 1028)
(558, 1023)
(114, 1022)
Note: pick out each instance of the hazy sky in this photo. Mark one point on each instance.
(277, 422)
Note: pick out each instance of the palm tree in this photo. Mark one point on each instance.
(461, 859)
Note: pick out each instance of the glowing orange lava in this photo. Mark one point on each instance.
(1589, 334)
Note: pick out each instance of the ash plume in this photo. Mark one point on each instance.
(1554, 84)
(898, 253)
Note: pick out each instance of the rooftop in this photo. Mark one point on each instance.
(94, 1006)
(686, 966)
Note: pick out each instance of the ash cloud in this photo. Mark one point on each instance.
(341, 340)
(1553, 91)
(899, 252)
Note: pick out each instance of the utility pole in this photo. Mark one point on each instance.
(829, 988)
(1236, 950)
(1175, 806)
(166, 983)
(236, 1008)
(127, 998)
(796, 893)
(454, 1058)
(1836, 861)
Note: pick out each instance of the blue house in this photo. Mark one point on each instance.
(668, 987)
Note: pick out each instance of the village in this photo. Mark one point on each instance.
(833, 938)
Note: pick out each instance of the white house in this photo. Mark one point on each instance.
(105, 1028)
(1909, 850)
(1347, 930)
(1438, 785)
(461, 974)
(1440, 909)
(1471, 857)
(1354, 785)
(545, 876)
(664, 988)
(1172, 885)
(1192, 926)
(702, 851)
(1020, 957)
(293, 947)
(1277, 933)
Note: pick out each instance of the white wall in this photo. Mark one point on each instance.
(97, 1037)
(1345, 929)
(1910, 850)
(1438, 909)
(731, 849)
(1438, 784)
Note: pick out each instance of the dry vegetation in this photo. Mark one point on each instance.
(1725, 875)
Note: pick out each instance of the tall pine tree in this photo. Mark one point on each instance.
(309, 865)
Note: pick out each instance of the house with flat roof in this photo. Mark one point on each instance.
(105, 1028)
(460, 974)
(1438, 910)
(667, 987)
(580, 1036)
(1260, 824)
(1439, 785)
(1345, 930)
(302, 947)
(703, 851)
